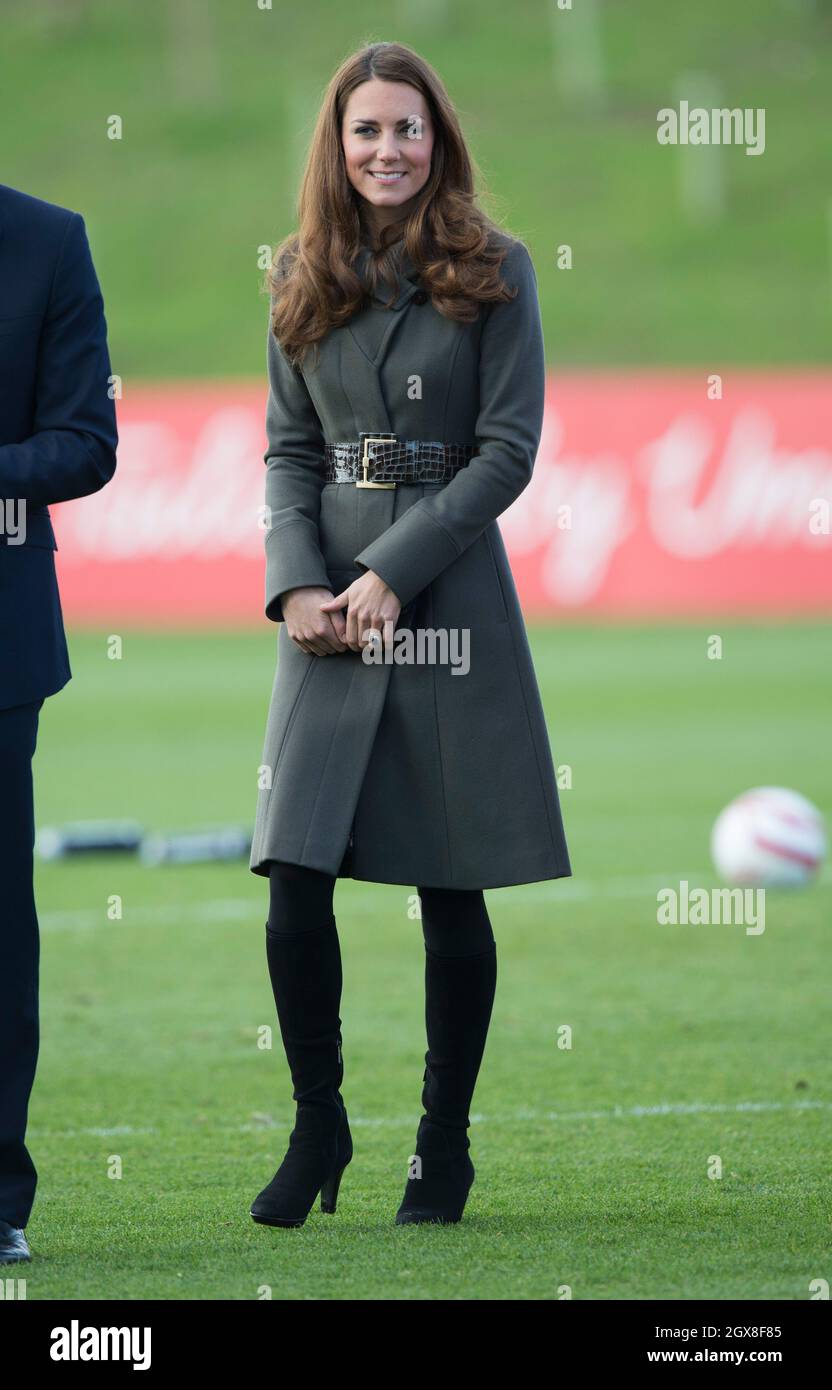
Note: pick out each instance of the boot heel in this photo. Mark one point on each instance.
(329, 1191)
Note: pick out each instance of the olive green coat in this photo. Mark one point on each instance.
(409, 773)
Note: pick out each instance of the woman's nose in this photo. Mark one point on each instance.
(388, 147)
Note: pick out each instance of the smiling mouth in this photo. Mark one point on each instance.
(387, 178)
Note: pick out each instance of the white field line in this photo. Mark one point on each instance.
(223, 910)
(161, 914)
(618, 1112)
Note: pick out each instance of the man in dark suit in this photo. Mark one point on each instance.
(57, 441)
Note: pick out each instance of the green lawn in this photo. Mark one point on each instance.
(150, 1022)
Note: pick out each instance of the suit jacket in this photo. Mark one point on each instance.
(421, 775)
(57, 426)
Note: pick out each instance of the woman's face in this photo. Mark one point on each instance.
(387, 130)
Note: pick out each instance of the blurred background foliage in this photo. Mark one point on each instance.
(218, 98)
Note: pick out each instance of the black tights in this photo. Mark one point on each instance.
(455, 921)
(304, 956)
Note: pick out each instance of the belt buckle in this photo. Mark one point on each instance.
(364, 440)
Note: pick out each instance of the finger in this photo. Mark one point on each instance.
(327, 637)
(375, 637)
(316, 644)
(363, 627)
(370, 631)
(368, 626)
(333, 636)
(340, 601)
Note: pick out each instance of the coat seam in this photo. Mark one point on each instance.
(438, 725)
(286, 731)
(496, 569)
(331, 744)
(512, 630)
(442, 528)
(534, 742)
(381, 354)
(448, 388)
(291, 521)
(365, 355)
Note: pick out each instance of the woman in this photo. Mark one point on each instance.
(407, 379)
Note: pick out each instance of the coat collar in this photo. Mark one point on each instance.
(407, 276)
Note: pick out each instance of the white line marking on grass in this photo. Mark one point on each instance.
(252, 911)
(212, 910)
(618, 1112)
(98, 1132)
(675, 1108)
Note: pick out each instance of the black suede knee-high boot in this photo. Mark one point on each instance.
(305, 970)
(459, 996)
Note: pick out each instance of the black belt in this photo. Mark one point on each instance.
(383, 460)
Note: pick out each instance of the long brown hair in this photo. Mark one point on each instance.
(455, 247)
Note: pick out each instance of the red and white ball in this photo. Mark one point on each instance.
(770, 837)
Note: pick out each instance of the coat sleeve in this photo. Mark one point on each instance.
(72, 449)
(443, 523)
(294, 477)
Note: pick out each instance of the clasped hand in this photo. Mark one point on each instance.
(314, 619)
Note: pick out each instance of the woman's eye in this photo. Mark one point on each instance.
(371, 129)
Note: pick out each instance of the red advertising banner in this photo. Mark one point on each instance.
(649, 498)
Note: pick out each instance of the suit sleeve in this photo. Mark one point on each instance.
(72, 451)
(442, 524)
(294, 478)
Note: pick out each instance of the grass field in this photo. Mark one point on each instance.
(591, 1163)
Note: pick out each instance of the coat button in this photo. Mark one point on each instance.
(420, 297)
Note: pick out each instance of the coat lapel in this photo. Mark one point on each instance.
(360, 380)
(360, 370)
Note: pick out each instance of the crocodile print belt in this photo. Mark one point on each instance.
(383, 460)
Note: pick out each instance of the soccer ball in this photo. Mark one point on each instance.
(770, 837)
